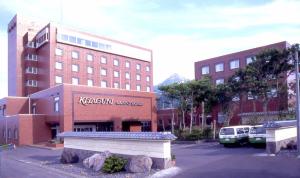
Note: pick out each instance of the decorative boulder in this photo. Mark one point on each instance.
(69, 157)
(139, 164)
(96, 161)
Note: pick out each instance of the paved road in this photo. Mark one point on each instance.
(211, 160)
(26, 162)
(207, 160)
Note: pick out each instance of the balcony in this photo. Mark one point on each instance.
(31, 83)
(31, 70)
(30, 44)
(31, 57)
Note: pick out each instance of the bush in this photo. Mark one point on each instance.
(207, 133)
(185, 135)
(114, 164)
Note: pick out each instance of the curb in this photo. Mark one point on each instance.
(44, 147)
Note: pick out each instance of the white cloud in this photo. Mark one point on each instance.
(179, 37)
(3, 64)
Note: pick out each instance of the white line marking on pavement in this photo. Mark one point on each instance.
(263, 154)
(166, 173)
(23, 161)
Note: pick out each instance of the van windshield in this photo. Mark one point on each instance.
(227, 131)
(258, 130)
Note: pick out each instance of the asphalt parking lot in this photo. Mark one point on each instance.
(203, 160)
(212, 160)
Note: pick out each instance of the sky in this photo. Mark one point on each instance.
(180, 32)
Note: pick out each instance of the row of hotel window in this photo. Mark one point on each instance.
(250, 96)
(234, 64)
(103, 60)
(103, 71)
(90, 82)
(9, 135)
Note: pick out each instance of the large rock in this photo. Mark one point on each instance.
(68, 157)
(96, 161)
(139, 164)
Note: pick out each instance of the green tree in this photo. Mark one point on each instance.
(199, 92)
(172, 95)
(264, 78)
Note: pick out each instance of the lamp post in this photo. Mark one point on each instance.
(297, 101)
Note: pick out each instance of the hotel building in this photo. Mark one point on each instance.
(61, 79)
(222, 67)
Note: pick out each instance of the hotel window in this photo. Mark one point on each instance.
(205, 70)
(58, 52)
(127, 75)
(75, 68)
(103, 84)
(103, 72)
(147, 68)
(127, 64)
(234, 64)
(75, 55)
(9, 133)
(90, 82)
(116, 74)
(236, 98)
(148, 79)
(250, 59)
(58, 65)
(89, 57)
(33, 108)
(75, 81)
(272, 93)
(138, 67)
(32, 57)
(138, 77)
(56, 104)
(148, 89)
(90, 70)
(146, 126)
(16, 134)
(219, 81)
(31, 70)
(116, 84)
(116, 62)
(138, 87)
(31, 83)
(127, 86)
(58, 79)
(250, 96)
(219, 67)
(103, 60)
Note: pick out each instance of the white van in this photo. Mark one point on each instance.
(234, 135)
(257, 135)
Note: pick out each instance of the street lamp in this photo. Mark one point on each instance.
(297, 101)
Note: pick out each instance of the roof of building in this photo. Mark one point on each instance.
(121, 135)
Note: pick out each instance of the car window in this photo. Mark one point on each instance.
(227, 131)
(246, 129)
(258, 130)
(240, 131)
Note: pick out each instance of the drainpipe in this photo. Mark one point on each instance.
(29, 105)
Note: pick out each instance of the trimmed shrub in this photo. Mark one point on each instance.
(114, 164)
(207, 133)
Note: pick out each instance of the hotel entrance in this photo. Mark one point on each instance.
(131, 126)
(93, 127)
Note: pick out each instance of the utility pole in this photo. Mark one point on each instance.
(297, 101)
